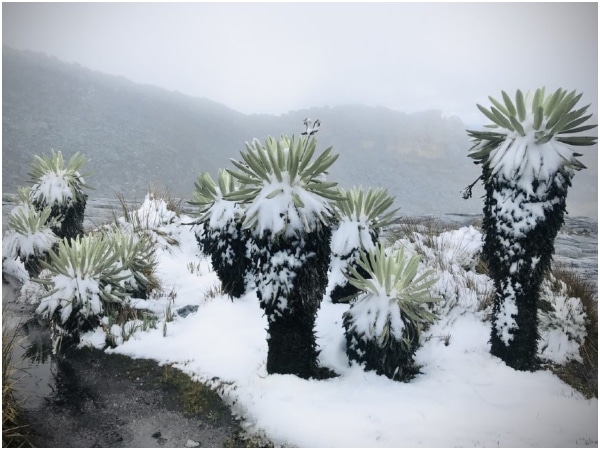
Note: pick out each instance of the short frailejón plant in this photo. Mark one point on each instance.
(360, 217)
(30, 236)
(288, 212)
(384, 324)
(222, 236)
(527, 164)
(137, 261)
(60, 187)
(82, 277)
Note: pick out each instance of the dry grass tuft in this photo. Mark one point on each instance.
(12, 423)
(583, 376)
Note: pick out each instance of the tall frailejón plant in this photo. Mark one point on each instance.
(383, 326)
(288, 212)
(59, 186)
(528, 163)
(359, 218)
(221, 236)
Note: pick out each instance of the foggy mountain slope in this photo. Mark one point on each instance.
(135, 136)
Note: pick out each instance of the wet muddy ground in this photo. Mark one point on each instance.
(89, 398)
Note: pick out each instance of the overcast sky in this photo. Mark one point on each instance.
(277, 57)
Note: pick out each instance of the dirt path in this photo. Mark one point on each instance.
(88, 398)
(103, 400)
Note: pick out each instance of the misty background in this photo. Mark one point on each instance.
(154, 93)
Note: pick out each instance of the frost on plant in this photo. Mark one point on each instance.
(288, 213)
(384, 324)
(286, 192)
(221, 235)
(136, 260)
(81, 279)
(562, 323)
(30, 236)
(527, 164)
(59, 186)
(93, 276)
(359, 218)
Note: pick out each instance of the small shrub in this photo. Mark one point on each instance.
(581, 372)
(137, 261)
(383, 326)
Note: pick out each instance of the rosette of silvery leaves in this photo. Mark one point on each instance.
(288, 208)
(359, 216)
(532, 135)
(82, 278)
(222, 236)
(30, 236)
(60, 185)
(384, 324)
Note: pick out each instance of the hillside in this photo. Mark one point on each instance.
(135, 136)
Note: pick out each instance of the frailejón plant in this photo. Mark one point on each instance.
(384, 324)
(60, 186)
(527, 164)
(288, 212)
(222, 236)
(359, 219)
(82, 277)
(30, 236)
(137, 262)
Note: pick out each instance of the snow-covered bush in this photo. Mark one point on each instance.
(287, 204)
(136, 260)
(222, 236)
(30, 236)
(153, 218)
(384, 324)
(82, 277)
(527, 164)
(454, 256)
(360, 216)
(60, 187)
(562, 322)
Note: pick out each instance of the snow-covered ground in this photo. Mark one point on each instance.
(464, 397)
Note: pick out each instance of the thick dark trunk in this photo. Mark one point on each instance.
(292, 310)
(517, 266)
(292, 345)
(72, 216)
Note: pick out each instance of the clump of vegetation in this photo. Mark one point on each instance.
(222, 236)
(383, 326)
(359, 219)
(527, 166)
(581, 369)
(30, 237)
(197, 398)
(13, 428)
(90, 277)
(60, 186)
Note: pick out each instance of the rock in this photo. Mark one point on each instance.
(187, 310)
